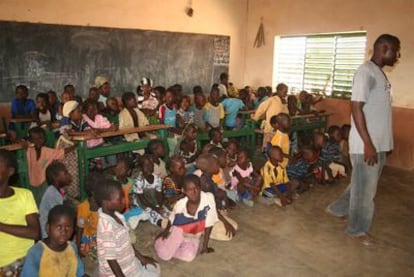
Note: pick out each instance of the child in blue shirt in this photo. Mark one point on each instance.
(56, 255)
(21, 107)
(232, 106)
(168, 115)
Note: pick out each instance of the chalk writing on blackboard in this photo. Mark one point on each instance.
(221, 51)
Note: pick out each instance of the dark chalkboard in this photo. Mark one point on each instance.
(45, 56)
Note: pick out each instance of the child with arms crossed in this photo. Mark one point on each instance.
(19, 218)
(192, 216)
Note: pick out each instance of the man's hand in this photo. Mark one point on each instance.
(207, 250)
(230, 231)
(370, 154)
(146, 260)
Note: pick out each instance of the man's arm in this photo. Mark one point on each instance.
(116, 269)
(370, 153)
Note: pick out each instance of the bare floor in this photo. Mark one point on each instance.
(302, 240)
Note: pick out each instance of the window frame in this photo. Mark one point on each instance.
(342, 53)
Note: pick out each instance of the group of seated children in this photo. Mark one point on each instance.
(190, 198)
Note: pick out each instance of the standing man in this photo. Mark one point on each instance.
(370, 138)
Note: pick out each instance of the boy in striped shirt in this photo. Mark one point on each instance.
(116, 254)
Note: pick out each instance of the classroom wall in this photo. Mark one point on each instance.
(210, 17)
(295, 17)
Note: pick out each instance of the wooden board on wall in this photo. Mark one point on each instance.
(46, 56)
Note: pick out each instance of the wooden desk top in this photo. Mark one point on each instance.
(247, 112)
(310, 115)
(21, 120)
(12, 147)
(123, 132)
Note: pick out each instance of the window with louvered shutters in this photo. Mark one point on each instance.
(322, 62)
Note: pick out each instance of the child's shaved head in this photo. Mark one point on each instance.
(204, 161)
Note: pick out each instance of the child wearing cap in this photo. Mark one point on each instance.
(104, 89)
(72, 123)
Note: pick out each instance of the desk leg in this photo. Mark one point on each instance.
(23, 168)
(82, 168)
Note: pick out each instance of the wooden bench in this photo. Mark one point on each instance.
(85, 153)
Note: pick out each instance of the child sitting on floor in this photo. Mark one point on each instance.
(148, 190)
(198, 108)
(122, 173)
(173, 183)
(156, 148)
(221, 179)
(193, 217)
(281, 125)
(302, 168)
(232, 148)
(116, 255)
(214, 110)
(131, 116)
(87, 217)
(329, 156)
(226, 228)
(38, 158)
(55, 255)
(57, 177)
(275, 179)
(245, 182)
(19, 218)
(185, 115)
(216, 137)
(188, 147)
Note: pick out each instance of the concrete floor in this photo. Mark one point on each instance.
(302, 240)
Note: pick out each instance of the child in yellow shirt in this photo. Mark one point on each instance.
(281, 125)
(275, 179)
(19, 218)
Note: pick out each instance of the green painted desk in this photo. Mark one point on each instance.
(2, 139)
(246, 132)
(85, 153)
(310, 122)
(22, 126)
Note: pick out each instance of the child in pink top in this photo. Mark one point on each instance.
(95, 121)
(245, 182)
(39, 157)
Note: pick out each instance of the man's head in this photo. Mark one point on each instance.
(387, 49)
